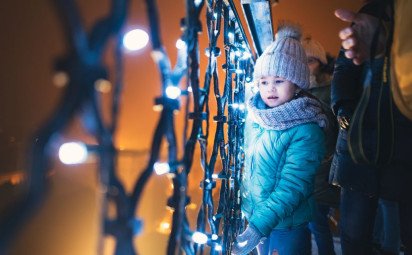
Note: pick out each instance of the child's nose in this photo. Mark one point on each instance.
(272, 87)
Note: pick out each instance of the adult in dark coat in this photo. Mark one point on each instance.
(363, 183)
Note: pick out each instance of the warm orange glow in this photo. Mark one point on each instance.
(60, 79)
(14, 178)
(164, 227)
(103, 86)
(157, 108)
(192, 206)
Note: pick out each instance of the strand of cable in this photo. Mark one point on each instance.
(213, 21)
(242, 66)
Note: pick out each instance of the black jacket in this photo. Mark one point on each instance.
(347, 87)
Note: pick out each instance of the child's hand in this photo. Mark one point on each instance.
(246, 241)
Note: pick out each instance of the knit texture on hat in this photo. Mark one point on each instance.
(314, 49)
(295, 112)
(285, 57)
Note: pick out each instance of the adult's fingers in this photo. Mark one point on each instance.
(346, 15)
(349, 43)
(358, 60)
(346, 33)
(350, 54)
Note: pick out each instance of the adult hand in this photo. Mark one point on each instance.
(246, 241)
(357, 39)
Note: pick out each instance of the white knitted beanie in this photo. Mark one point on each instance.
(314, 49)
(285, 57)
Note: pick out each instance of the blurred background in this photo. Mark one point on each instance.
(32, 38)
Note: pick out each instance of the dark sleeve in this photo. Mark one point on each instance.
(346, 86)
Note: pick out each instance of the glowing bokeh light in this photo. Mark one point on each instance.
(161, 168)
(73, 153)
(199, 238)
(135, 39)
(173, 92)
(180, 44)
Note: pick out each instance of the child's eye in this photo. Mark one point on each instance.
(264, 82)
(278, 81)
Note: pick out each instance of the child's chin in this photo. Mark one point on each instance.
(272, 104)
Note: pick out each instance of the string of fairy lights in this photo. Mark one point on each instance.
(228, 141)
(82, 73)
(216, 227)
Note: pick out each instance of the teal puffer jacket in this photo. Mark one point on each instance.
(278, 179)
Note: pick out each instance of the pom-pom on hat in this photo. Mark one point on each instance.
(285, 57)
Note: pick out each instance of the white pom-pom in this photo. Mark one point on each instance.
(290, 30)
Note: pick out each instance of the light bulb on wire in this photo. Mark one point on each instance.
(73, 153)
(173, 92)
(135, 39)
(161, 168)
(180, 44)
(199, 237)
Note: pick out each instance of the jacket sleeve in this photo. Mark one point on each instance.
(346, 85)
(303, 157)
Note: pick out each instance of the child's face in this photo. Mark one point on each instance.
(275, 90)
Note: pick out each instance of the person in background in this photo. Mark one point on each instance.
(326, 195)
(321, 69)
(284, 146)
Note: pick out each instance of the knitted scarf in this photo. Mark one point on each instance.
(295, 112)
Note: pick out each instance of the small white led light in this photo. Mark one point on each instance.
(198, 2)
(173, 92)
(161, 168)
(246, 54)
(180, 44)
(73, 153)
(199, 238)
(230, 35)
(135, 39)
